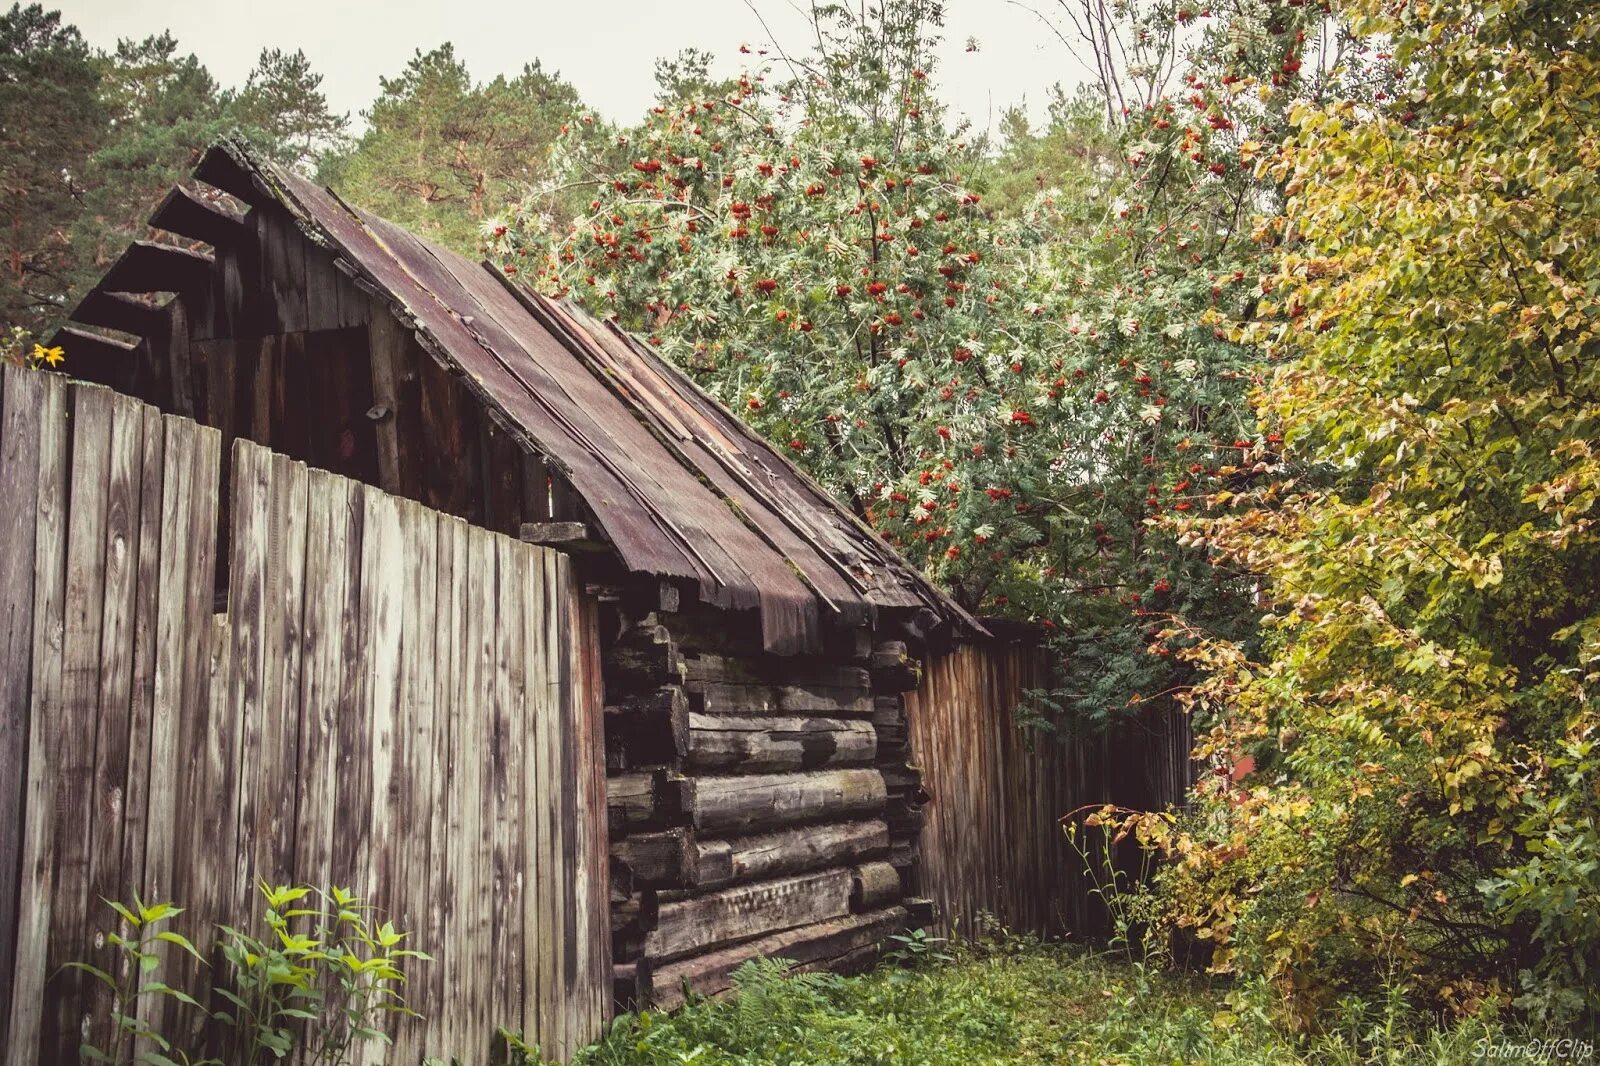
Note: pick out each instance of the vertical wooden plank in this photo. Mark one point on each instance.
(450, 426)
(322, 289)
(291, 430)
(190, 810)
(535, 488)
(107, 798)
(91, 417)
(356, 308)
(21, 393)
(179, 359)
(353, 795)
(477, 827)
(456, 877)
(284, 593)
(416, 811)
(600, 888)
(382, 587)
(506, 785)
(327, 573)
(547, 728)
(265, 352)
(111, 730)
(437, 673)
(175, 709)
(565, 804)
(389, 348)
(248, 603)
(141, 706)
(535, 716)
(283, 268)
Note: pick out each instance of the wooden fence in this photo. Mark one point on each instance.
(390, 700)
(991, 842)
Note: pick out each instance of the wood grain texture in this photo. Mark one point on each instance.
(748, 911)
(391, 701)
(741, 803)
(90, 412)
(20, 413)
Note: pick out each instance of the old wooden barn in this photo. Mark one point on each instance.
(372, 567)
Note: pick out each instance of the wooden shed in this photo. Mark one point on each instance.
(754, 638)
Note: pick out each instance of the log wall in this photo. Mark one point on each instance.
(389, 700)
(751, 800)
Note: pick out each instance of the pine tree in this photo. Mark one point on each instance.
(442, 153)
(49, 126)
(283, 109)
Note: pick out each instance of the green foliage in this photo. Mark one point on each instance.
(92, 141)
(441, 152)
(1423, 714)
(138, 956)
(162, 108)
(318, 982)
(1020, 1002)
(50, 122)
(915, 948)
(283, 111)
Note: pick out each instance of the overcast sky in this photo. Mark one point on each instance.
(604, 47)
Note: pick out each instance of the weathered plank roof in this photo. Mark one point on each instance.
(679, 486)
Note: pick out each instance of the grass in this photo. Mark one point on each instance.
(1015, 1001)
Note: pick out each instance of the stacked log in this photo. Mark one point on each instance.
(759, 806)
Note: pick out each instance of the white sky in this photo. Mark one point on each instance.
(606, 48)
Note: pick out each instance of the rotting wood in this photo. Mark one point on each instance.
(120, 311)
(659, 859)
(734, 804)
(718, 698)
(565, 536)
(640, 799)
(647, 728)
(151, 266)
(747, 911)
(187, 215)
(765, 745)
(765, 670)
(874, 885)
(716, 863)
(893, 668)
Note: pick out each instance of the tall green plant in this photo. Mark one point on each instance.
(319, 980)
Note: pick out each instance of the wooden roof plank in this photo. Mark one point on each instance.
(122, 311)
(148, 266)
(188, 215)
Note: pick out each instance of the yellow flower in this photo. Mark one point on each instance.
(51, 356)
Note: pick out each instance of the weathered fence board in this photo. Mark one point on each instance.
(390, 701)
(992, 842)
